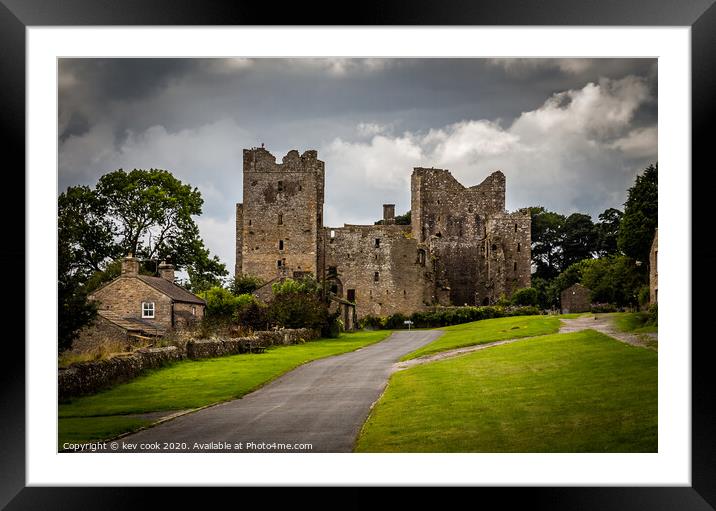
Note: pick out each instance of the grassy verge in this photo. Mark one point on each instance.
(192, 384)
(578, 392)
(488, 330)
(634, 322)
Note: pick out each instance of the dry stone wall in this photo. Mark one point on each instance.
(89, 377)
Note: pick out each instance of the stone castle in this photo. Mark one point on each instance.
(462, 246)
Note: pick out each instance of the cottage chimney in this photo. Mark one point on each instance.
(388, 214)
(130, 265)
(166, 271)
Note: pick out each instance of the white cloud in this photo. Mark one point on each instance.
(638, 143)
(523, 67)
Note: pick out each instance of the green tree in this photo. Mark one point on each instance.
(74, 311)
(641, 211)
(525, 296)
(399, 220)
(607, 230)
(614, 279)
(146, 212)
(243, 284)
(547, 237)
(579, 239)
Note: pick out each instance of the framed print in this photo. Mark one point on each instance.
(161, 86)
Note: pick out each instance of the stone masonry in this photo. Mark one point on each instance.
(462, 247)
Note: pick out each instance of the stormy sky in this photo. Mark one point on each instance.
(569, 134)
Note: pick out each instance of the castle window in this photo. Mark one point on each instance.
(280, 244)
(332, 271)
(377, 243)
(280, 186)
(351, 297)
(147, 309)
(334, 288)
(515, 266)
(515, 227)
(376, 277)
(279, 263)
(249, 223)
(280, 219)
(333, 234)
(519, 246)
(421, 257)
(493, 247)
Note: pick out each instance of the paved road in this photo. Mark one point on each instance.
(323, 403)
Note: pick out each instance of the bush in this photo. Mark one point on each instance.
(371, 322)
(220, 303)
(603, 307)
(525, 296)
(253, 315)
(643, 296)
(245, 284)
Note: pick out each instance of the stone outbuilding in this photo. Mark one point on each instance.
(145, 305)
(576, 298)
(653, 270)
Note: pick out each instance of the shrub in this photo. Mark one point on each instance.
(525, 296)
(603, 307)
(371, 322)
(220, 303)
(245, 284)
(252, 315)
(643, 296)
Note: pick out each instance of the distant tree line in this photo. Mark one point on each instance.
(610, 257)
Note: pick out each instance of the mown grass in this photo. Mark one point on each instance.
(192, 384)
(488, 330)
(634, 322)
(578, 392)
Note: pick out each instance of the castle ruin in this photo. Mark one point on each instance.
(462, 246)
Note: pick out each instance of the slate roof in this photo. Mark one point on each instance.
(176, 293)
(132, 324)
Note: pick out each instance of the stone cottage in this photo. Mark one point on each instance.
(135, 304)
(576, 298)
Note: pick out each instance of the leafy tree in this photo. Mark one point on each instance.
(607, 230)
(74, 311)
(220, 302)
(547, 237)
(525, 296)
(146, 212)
(399, 220)
(243, 284)
(614, 279)
(579, 239)
(639, 222)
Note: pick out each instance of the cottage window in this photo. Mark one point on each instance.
(147, 309)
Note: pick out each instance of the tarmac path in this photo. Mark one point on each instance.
(322, 403)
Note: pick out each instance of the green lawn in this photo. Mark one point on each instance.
(578, 392)
(634, 322)
(192, 384)
(488, 330)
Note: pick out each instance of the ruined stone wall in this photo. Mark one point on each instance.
(125, 296)
(99, 333)
(508, 256)
(281, 214)
(479, 251)
(403, 282)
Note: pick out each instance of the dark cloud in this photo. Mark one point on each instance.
(562, 142)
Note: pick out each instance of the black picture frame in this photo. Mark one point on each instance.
(700, 15)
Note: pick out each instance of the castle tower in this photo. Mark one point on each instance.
(279, 223)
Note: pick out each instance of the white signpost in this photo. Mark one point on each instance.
(408, 322)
